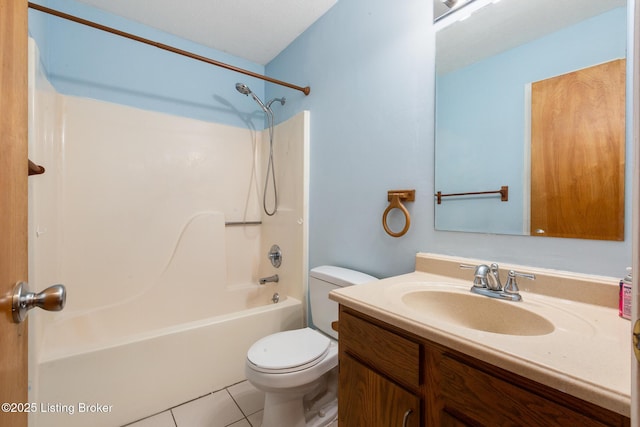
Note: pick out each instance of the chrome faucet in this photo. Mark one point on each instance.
(273, 278)
(479, 276)
(494, 278)
(486, 281)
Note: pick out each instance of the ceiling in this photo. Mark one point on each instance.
(495, 28)
(257, 30)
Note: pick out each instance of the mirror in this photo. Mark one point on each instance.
(495, 60)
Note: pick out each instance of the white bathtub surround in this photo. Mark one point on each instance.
(130, 182)
(163, 298)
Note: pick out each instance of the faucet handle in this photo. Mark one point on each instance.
(511, 287)
(479, 275)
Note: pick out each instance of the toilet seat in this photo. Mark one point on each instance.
(288, 351)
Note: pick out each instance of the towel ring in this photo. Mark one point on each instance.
(395, 197)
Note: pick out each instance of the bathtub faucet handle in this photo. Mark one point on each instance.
(275, 256)
(273, 278)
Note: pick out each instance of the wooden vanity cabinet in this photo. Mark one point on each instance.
(389, 377)
(379, 381)
(373, 400)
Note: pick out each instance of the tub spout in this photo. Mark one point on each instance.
(273, 278)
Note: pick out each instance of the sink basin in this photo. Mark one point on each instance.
(478, 312)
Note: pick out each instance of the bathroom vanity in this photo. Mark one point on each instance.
(403, 364)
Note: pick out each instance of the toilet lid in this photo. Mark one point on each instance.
(285, 351)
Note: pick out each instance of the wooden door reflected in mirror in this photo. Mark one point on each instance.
(578, 153)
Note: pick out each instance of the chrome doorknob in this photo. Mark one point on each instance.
(51, 299)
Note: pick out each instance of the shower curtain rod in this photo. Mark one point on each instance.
(306, 90)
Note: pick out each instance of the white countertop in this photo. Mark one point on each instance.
(587, 355)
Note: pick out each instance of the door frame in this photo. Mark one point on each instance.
(635, 233)
(13, 205)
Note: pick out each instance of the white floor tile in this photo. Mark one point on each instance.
(250, 399)
(163, 419)
(255, 419)
(242, 423)
(214, 410)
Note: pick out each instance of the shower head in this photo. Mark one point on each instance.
(244, 89)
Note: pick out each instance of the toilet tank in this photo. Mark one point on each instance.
(323, 280)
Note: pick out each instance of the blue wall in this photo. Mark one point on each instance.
(370, 65)
(83, 61)
(490, 97)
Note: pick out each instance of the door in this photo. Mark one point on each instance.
(578, 153)
(13, 204)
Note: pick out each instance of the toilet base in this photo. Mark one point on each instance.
(324, 416)
(282, 411)
(317, 408)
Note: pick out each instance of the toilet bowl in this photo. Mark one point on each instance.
(297, 370)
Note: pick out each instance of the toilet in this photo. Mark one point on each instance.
(298, 370)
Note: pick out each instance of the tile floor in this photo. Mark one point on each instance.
(239, 405)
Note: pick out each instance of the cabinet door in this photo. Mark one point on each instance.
(473, 397)
(447, 420)
(367, 399)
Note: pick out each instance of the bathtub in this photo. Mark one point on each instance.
(115, 365)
